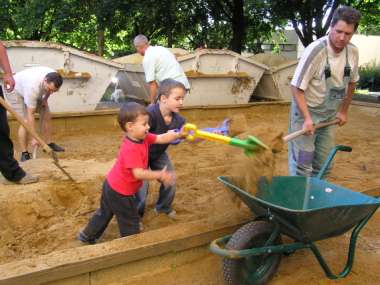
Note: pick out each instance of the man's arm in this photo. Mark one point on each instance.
(342, 115)
(153, 88)
(299, 97)
(9, 82)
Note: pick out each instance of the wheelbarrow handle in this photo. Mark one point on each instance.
(330, 158)
(299, 133)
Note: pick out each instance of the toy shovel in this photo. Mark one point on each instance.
(250, 144)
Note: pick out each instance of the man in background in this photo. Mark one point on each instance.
(159, 64)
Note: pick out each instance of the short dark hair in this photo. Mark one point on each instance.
(167, 85)
(54, 77)
(347, 14)
(129, 113)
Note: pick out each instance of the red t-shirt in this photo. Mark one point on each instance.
(131, 155)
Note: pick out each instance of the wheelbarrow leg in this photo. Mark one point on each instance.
(351, 252)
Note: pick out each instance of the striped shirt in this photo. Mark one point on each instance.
(309, 75)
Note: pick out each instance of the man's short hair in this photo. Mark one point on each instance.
(347, 14)
(167, 85)
(54, 77)
(140, 40)
(129, 113)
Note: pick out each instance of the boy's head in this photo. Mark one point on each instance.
(171, 94)
(52, 82)
(134, 120)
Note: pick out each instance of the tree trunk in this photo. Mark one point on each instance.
(169, 22)
(101, 41)
(238, 26)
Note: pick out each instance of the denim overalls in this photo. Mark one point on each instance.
(307, 153)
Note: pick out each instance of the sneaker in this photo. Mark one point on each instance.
(27, 179)
(82, 237)
(56, 147)
(172, 214)
(25, 156)
(141, 226)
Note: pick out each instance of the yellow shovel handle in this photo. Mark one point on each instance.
(193, 132)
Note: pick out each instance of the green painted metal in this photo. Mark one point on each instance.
(306, 209)
(330, 158)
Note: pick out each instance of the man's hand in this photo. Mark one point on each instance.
(308, 126)
(9, 82)
(342, 117)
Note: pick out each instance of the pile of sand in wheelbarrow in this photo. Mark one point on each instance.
(262, 163)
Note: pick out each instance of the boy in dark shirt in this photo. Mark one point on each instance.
(163, 116)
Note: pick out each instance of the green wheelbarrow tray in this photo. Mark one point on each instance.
(330, 210)
(305, 209)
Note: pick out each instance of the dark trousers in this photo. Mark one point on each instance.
(9, 167)
(112, 203)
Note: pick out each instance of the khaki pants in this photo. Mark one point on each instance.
(18, 105)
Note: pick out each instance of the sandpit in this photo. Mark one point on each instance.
(45, 217)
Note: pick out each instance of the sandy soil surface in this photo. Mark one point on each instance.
(44, 217)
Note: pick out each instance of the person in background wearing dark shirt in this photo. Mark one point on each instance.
(163, 116)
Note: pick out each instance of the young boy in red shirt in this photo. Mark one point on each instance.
(127, 174)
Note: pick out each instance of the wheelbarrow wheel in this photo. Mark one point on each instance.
(256, 269)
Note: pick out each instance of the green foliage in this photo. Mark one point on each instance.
(108, 27)
(370, 76)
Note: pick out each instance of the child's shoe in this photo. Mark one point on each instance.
(172, 214)
(82, 237)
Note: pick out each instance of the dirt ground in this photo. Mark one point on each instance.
(44, 217)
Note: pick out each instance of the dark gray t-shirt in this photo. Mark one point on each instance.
(158, 126)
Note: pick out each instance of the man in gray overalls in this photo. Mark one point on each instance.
(322, 87)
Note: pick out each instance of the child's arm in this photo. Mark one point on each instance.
(168, 137)
(166, 177)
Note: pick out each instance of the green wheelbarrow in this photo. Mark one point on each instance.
(306, 209)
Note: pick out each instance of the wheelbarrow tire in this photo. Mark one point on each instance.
(251, 235)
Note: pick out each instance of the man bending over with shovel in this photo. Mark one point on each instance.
(9, 167)
(322, 87)
(34, 85)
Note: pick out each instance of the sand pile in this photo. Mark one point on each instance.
(262, 163)
(237, 125)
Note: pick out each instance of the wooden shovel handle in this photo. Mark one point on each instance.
(296, 134)
(33, 133)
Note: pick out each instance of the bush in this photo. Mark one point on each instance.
(369, 76)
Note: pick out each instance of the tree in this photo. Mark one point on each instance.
(312, 18)
(309, 18)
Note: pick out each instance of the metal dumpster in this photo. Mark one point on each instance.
(220, 77)
(275, 83)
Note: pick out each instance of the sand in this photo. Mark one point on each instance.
(44, 217)
(258, 164)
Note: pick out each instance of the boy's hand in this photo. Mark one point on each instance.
(167, 177)
(182, 133)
